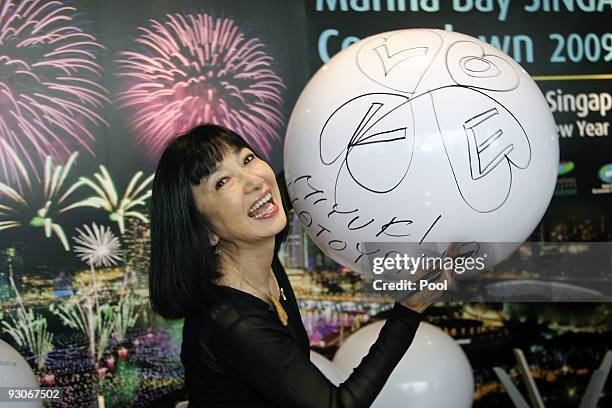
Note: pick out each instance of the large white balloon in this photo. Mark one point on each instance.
(330, 370)
(15, 372)
(433, 373)
(419, 136)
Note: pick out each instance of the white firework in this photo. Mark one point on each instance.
(97, 246)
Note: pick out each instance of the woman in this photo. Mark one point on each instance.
(217, 220)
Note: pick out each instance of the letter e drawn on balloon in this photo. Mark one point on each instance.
(400, 60)
(383, 118)
(468, 65)
(486, 147)
(494, 143)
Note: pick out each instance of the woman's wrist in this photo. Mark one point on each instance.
(413, 312)
(417, 308)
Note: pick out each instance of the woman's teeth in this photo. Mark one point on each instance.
(266, 209)
(260, 208)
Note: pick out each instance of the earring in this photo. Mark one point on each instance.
(214, 240)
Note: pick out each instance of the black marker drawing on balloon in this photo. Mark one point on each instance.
(363, 253)
(360, 150)
(336, 211)
(430, 228)
(322, 229)
(391, 61)
(468, 65)
(302, 215)
(342, 247)
(359, 227)
(305, 176)
(487, 145)
(477, 147)
(393, 222)
(314, 192)
(493, 138)
(379, 59)
(337, 244)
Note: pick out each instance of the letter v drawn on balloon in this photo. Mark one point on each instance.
(391, 61)
(379, 58)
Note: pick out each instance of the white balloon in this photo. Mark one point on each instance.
(330, 370)
(420, 136)
(433, 373)
(15, 372)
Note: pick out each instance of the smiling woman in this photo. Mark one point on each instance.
(217, 220)
(240, 200)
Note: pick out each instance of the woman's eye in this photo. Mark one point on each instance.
(220, 183)
(249, 158)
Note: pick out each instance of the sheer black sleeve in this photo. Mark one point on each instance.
(258, 351)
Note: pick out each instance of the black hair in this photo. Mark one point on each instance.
(183, 263)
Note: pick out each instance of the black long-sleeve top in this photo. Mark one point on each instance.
(237, 353)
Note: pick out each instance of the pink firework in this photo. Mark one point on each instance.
(193, 69)
(49, 90)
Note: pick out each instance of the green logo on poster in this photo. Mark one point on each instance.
(605, 173)
(565, 167)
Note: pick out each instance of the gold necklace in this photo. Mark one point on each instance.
(280, 310)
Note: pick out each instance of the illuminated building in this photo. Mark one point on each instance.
(11, 264)
(137, 244)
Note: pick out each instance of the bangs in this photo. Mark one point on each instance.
(203, 148)
(204, 161)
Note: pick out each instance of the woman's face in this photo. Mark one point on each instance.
(241, 198)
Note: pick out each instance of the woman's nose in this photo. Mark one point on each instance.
(252, 182)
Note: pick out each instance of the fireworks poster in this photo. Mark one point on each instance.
(90, 92)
